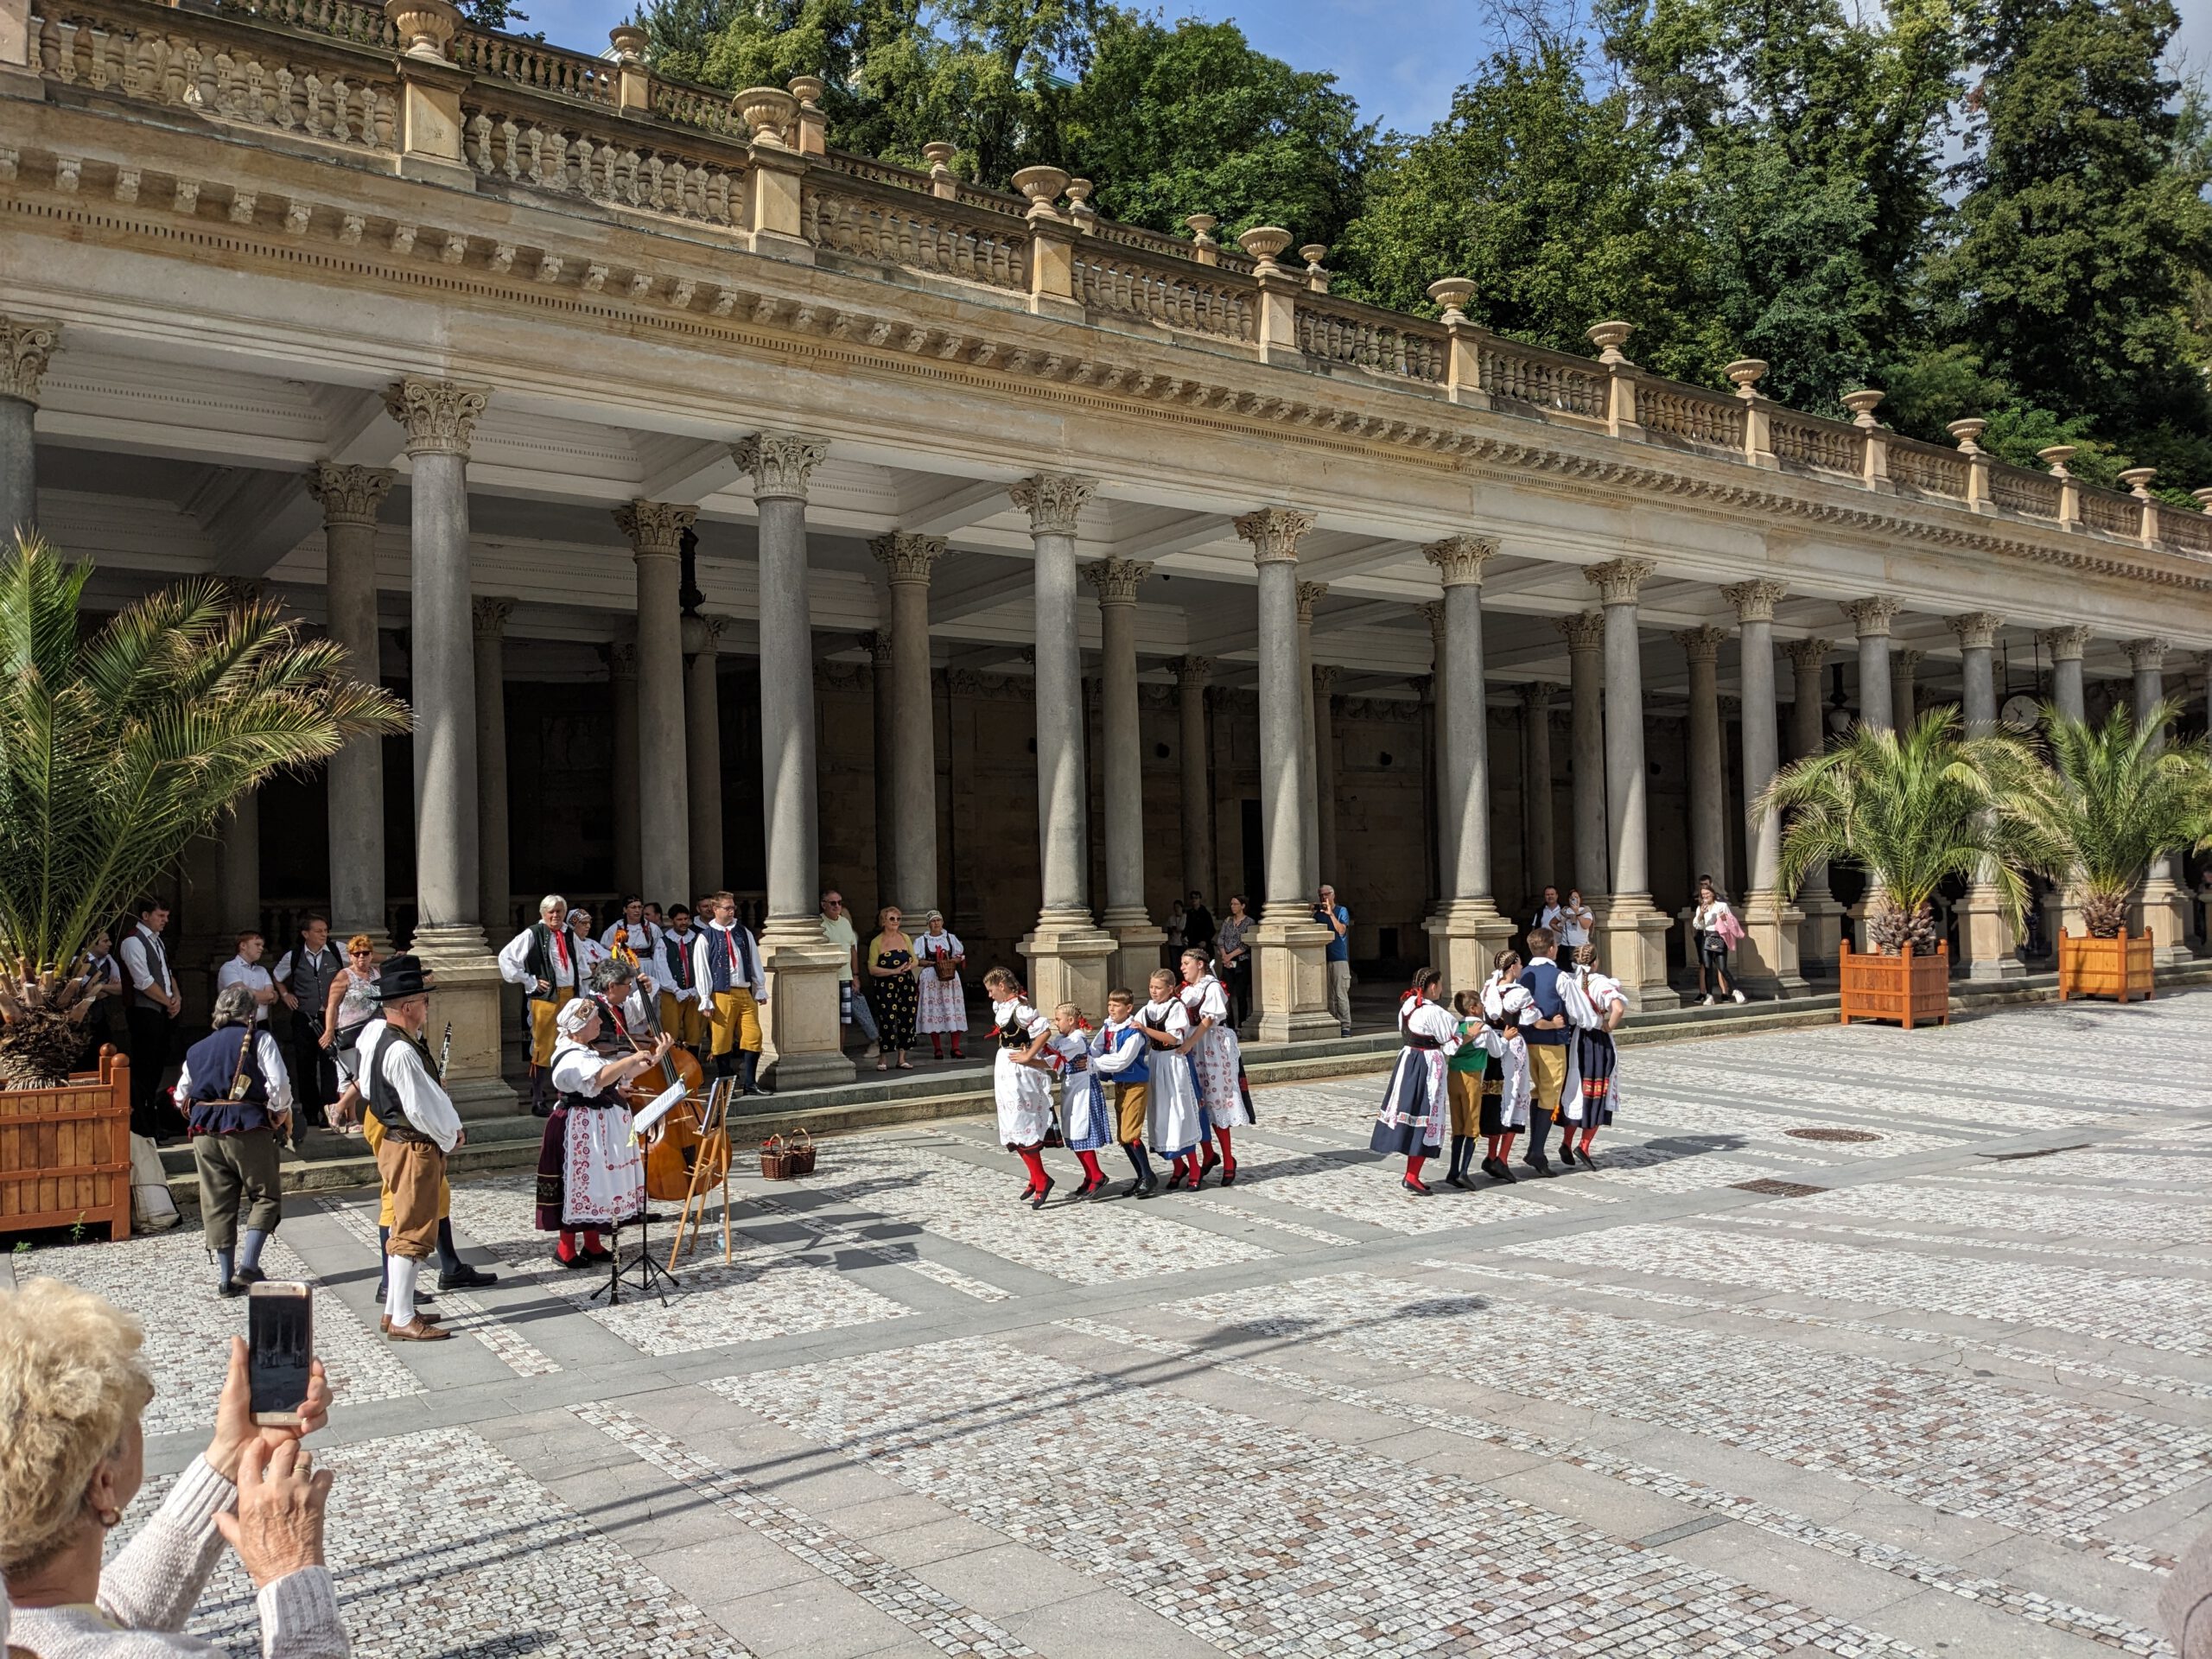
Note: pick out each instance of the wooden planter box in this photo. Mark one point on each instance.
(65, 1152)
(2119, 966)
(1911, 990)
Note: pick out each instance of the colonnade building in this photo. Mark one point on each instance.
(737, 512)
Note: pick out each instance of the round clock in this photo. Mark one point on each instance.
(2020, 713)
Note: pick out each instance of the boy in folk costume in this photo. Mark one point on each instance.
(1416, 1106)
(1599, 1004)
(732, 989)
(680, 1012)
(1121, 1053)
(1463, 1082)
(1023, 1087)
(1175, 1119)
(1506, 1007)
(1083, 1103)
(1216, 1062)
(590, 1173)
(542, 959)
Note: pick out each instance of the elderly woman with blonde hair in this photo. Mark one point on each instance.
(72, 1449)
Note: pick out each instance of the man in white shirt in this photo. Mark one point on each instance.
(732, 989)
(640, 937)
(852, 1006)
(150, 1013)
(542, 959)
(400, 1089)
(244, 969)
(1548, 919)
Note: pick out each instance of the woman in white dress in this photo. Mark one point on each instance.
(1083, 1103)
(938, 958)
(590, 1173)
(1175, 1122)
(1021, 1084)
(1593, 1064)
(1507, 1007)
(1216, 1062)
(1416, 1107)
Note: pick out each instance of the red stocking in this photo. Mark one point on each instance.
(1589, 1135)
(937, 1046)
(1412, 1169)
(591, 1238)
(1089, 1161)
(1035, 1159)
(566, 1249)
(1505, 1145)
(1227, 1155)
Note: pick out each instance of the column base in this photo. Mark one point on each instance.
(1136, 952)
(801, 1042)
(1290, 979)
(2062, 910)
(1464, 936)
(466, 996)
(1070, 958)
(1992, 948)
(1766, 962)
(1631, 939)
(2165, 912)
(1820, 935)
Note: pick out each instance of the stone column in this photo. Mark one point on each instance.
(1136, 941)
(1309, 594)
(350, 496)
(622, 700)
(239, 835)
(495, 904)
(800, 1022)
(1068, 952)
(1585, 647)
(655, 529)
(1440, 825)
(1905, 686)
(703, 729)
(1468, 930)
(25, 346)
(906, 561)
(1191, 674)
(1539, 842)
(1325, 776)
(1820, 940)
(1290, 984)
(1708, 782)
(1632, 934)
(1873, 617)
(1989, 945)
(2062, 906)
(440, 417)
(882, 683)
(2164, 908)
(1768, 959)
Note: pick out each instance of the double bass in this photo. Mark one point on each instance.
(671, 1156)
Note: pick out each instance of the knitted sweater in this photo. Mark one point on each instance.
(149, 1590)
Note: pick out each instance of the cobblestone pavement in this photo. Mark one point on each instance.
(1952, 1397)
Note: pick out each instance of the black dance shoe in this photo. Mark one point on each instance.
(1043, 1193)
(467, 1278)
(1537, 1161)
(1229, 1172)
(1419, 1189)
(1455, 1178)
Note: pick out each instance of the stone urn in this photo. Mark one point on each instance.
(628, 41)
(808, 89)
(1862, 405)
(2137, 481)
(426, 26)
(1452, 294)
(1744, 373)
(1968, 434)
(1043, 186)
(2056, 458)
(1265, 243)
(767, 113)
(1609, 338)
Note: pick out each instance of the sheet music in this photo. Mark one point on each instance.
(664, 1103)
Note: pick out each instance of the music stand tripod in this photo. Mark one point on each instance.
(644, 1274)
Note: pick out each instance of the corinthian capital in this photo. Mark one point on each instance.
(906, 555)
(780, 462)
(1052, 500)
(654, 529)
(1585, 630)
(1805, 654)
(1275, 533)
(25, 345)
(1116, 580)
(440, 416)
(1977, 630)
(490, 612)
(1703, 644)
(1310, 594)
(349, 495)
(1432, 610)
(2147, 656)
(2065, 645)
(1618, 580)
(1459, 559)
(1755, 600)
(1872, 617)
(1193, 672)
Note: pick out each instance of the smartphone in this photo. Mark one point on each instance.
(280, 1343)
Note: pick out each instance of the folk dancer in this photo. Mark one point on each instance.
(1463, 1082)
(589, 952)
(1216, 1062)
(939, 956)
(636, 931)
(1175, 1120)
(542, 959)
(1506, 1007)
(732, 989)
(680, 1012)
(590, 1173)
(1121, 1054)
(416, 1128)
(1022, 1088)
(151, 1011)
(1594, 1062)
(303, 976)
(1547, 1038)
(237, 1098)
(1083, 1103)
(1416, 1106)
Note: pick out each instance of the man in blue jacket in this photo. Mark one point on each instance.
(1547, 1040)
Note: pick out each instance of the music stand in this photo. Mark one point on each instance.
(710, 1163)
(647, 1275)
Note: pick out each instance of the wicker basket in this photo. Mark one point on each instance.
(802, 1153)
(776, 1159)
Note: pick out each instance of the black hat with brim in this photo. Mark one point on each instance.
(401, 977)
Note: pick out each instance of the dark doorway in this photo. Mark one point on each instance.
(1255, 856)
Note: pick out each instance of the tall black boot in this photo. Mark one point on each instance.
(749, 1073)
(454, 1274)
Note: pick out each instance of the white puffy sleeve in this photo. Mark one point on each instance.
(512, 955)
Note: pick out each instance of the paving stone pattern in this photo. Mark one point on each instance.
(1953, 1401)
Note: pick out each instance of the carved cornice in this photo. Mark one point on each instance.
(1755, 600)
(438, 415)
(1807, 654)
(1872, 617)
(1618, 580)
(1459, 559)
(1275, 533)
(1116, 580)
(1702, 644)
(780, 463)
(350, 495)
(2065, 645)
(489, 613)
(906, 557)
(1977, 630)
(1053, 501)
(26, 344)
(1585, 630)
(1193, 673)
(1310, 594)
(654, 529)
(2147, 656)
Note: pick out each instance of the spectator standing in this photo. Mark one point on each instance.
(1198, 926)
(303, 976)
(1710, 923)
(891, 988)
(1177, 925)
(1337, 919)
(852, 1010)
(347, 1008)
(150, 1016)
(245, 971)
(1548, 913)
(1575, 923)
(1233, 951)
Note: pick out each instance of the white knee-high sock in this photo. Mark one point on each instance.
(399, 1296)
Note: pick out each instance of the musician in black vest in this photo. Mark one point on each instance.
(150, 1012)
(544, 960)
(303, 978)
(681, 1012)
(237, 1098)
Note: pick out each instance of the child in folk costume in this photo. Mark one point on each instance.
(1506, 1006)
(590, 1173)
(1216, 1062)
(1175, 1120)
(1463, 1082)
(1597, 1005)
(1024, 1088)
(1415, 1106)
(1082, 1105)
(1120, 1052)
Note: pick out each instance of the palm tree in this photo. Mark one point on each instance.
(1913, 810)
(2115, 802)
(117, 748)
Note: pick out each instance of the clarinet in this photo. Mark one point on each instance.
(445, 1052)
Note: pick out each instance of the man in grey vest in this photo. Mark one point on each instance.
(303, 979)
(150, 1013)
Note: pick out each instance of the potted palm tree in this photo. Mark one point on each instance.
(2114, 802)
(116, 747)
(1912, 810)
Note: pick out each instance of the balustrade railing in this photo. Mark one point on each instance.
(1542, 380)
(531, 63)
(1380, 342)
(2115, 515)
(926, 235)
(2032, 495)
(692, 106)
(551, 156)
(1820, 445)
(2181, 528)
(1707, 418)
(341, 19)
(1137, 288)
(1927, 470)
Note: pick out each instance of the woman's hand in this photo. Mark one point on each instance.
(235, 1429)
(277, 1530)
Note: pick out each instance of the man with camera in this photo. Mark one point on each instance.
(1337, 919)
